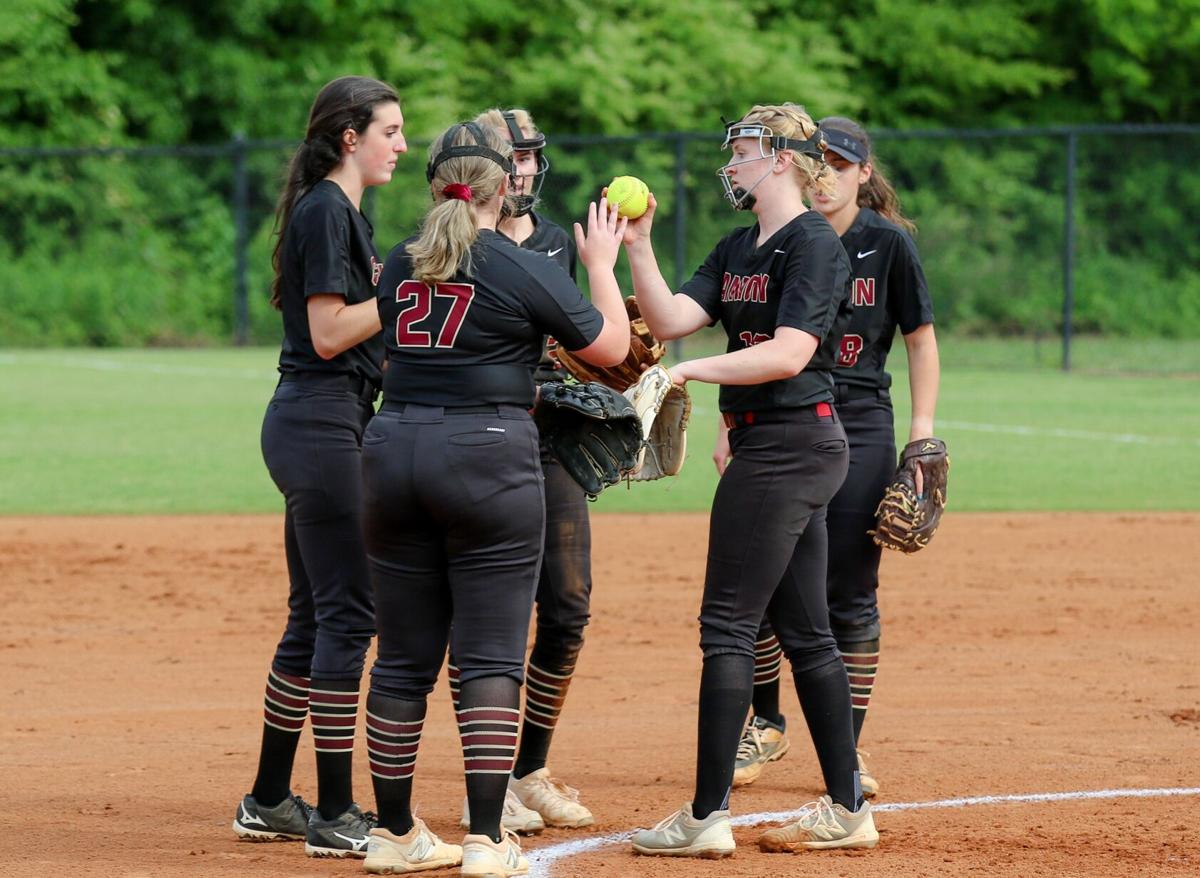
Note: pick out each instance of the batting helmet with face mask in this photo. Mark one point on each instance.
(742, 198)
(519, 205)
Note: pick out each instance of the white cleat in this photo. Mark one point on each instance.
(557, 803)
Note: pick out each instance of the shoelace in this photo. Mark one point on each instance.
(819, 813)
(557, 786)
(305, 808)
(751, 743)
(667, 821)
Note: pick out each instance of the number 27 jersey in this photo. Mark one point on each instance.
(476, 340)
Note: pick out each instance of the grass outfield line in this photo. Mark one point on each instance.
(177, 431)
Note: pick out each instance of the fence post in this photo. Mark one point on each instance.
(680, 227)
(1069, 253)
(241, 224)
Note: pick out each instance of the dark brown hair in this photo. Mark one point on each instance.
(347, 102)
(877, 193)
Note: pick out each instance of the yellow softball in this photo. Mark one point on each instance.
(629, 194)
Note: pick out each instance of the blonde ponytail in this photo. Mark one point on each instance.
(451, 226)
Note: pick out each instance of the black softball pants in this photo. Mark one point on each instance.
(767, 542)
(312, 445)
(454, 518)
(853, 556)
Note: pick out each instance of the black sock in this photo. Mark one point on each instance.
(725, 687)
(393, 735)
(333, 708)
(488, 713)
(546, 683)
(284, 708)
(825, 698)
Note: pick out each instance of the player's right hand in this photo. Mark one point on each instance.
(605, 231)
(639, 229)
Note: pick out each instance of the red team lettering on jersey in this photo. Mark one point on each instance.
(862, 294)
(744, 288)
(421, 294)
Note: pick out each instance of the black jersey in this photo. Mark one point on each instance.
(551, 239)
(470, 341)
(888, 291)
(327, 248)
(799, 278)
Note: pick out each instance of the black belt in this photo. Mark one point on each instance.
(399, 407)
(844, 393)
(822, 410)
(356, 384)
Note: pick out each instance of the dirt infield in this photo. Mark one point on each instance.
(1022, 654)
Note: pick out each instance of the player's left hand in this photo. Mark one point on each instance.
(678, 374)
(605, 230)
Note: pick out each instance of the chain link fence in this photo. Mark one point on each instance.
(1066, 246)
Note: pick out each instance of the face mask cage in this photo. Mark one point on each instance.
(742, 198)
(739, 197)
(519, 205)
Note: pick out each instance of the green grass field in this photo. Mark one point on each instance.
(176, 431)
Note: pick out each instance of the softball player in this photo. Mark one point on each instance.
(780, 289)
(454, 505)
(326, 268)
(534, 798)
(889, 291)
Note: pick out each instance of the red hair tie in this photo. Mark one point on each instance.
(461, 191)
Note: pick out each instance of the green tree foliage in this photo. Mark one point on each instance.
(113, 249)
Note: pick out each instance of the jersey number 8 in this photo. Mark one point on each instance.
(419, 297)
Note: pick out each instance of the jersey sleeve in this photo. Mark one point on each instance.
(704, 287)
(323, 242)
(816, 282)
(558, 308)
(908, 293)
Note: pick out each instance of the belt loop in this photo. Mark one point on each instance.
(729, 420)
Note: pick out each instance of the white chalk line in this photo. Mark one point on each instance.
(1063, 433)
(541, 859)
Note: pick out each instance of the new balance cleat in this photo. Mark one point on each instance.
(484, 858)
(870, 786)
(682, 835)
(515, 817)
(822, 826)
(287, 821)
(344, 836)
(415, 851)
(762, 742)
(557, 803)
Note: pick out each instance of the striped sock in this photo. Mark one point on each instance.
(285, 705)
(862, 663)
(545, 692)
(333, 707)
(768, 658)
(487, 724)
(393, 736)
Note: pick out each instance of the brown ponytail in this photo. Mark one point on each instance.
(348, 102)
